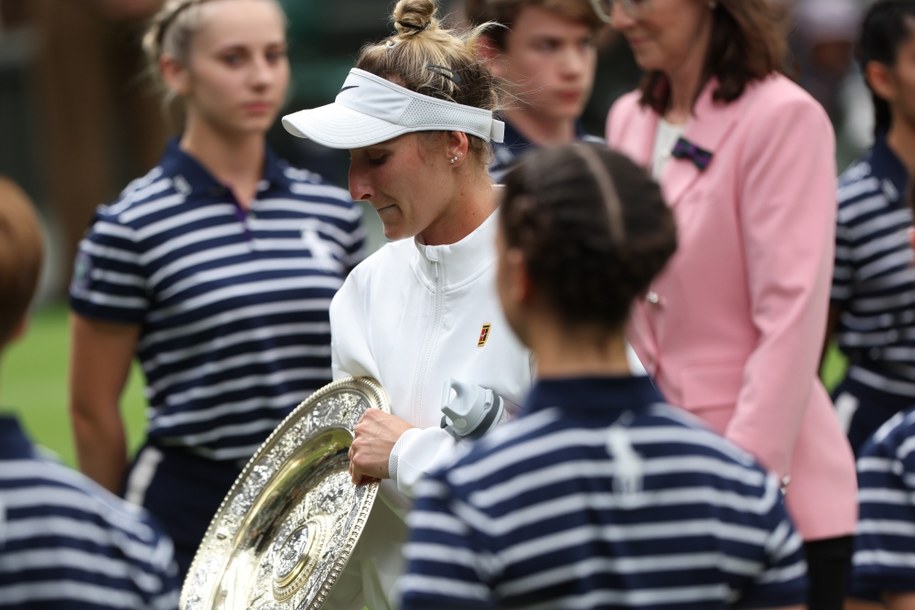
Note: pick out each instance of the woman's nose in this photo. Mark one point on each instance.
(360, 188)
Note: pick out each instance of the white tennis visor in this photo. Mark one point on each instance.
(370, 109)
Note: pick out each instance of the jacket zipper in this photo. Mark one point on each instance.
(429, 344)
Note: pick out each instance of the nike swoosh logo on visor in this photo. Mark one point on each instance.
(342, 89)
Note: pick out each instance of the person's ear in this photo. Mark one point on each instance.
(880, 80)
(491, 55)
(457, 148)
(520, 287)
(175, 75)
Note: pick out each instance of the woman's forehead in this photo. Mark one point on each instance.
(240, 23)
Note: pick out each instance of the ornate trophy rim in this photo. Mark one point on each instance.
(288, 526)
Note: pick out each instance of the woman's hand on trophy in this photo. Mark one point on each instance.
(373, 440)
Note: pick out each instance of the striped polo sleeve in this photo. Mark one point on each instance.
(884, 558)
(109, 279)
(445, 555)
(68, 544)
(854, 184)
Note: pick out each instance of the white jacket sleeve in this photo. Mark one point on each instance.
(418, 452)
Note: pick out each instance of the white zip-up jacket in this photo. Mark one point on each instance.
(414, 316)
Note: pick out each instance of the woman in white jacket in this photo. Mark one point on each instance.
(416, 115)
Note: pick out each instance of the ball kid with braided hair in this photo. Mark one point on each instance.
(598, 495)
(421, 315)
(215, 271)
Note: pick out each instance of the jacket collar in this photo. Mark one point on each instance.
(709, 125)
(456, 264)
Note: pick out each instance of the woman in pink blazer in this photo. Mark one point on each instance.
(731, 331)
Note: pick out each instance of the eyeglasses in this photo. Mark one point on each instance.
(633, 8)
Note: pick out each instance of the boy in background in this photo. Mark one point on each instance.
(545, 54)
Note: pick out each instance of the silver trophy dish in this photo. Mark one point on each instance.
(291, 520)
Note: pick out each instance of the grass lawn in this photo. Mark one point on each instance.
(33, 385)
(833, 368)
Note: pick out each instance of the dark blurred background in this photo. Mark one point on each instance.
(79, 120)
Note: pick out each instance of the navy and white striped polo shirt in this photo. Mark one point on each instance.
(505, 154)
(233, 307)
(601, 497)
(884, 559)
(874, 279)
(68, 544)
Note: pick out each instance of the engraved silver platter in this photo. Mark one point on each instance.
(288, 526)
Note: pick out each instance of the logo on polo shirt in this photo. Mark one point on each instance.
(484, 335)
(321, 252)
(82, 274)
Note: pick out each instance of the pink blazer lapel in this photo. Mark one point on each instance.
(709, 126)
(631, 129)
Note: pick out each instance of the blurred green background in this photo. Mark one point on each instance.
(33, 384)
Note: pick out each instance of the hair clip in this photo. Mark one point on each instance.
(445, 72)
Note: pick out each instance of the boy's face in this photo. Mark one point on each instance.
(549, 62)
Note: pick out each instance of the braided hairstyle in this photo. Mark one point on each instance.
(425, 57)
(593, 229)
